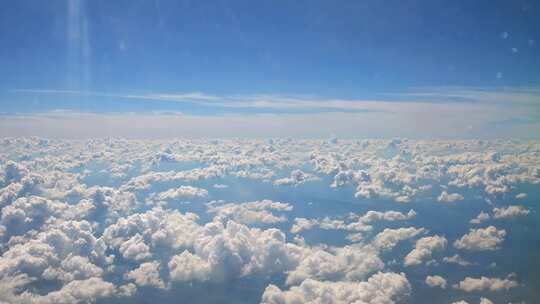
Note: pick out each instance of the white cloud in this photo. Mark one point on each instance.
(301, 224)
(365, 118)
(381, 288)
(481, 239)
(259, 212)
(456, 259)
(234, 250)
(436, 281)
(58, 230)
(189, 267)
(79, 291)
(485, 301)
(521, 195)
(424, 248)
(182, 193)
(482, 217)
(348, 263)
(135, 248)
(72, 268)
(485, 283)
(298, 177)
(446, 197)
(389, 238)
(69, 250)
(510, 212)
(360, 223)
(147, 274)
(391, 215)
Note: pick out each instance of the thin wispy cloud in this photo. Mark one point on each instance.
(435, 95)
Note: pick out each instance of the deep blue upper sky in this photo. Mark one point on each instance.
(326, 48)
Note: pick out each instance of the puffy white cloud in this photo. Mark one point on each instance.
(391, 215)
(28, 185)
(79, 291)
(74, 267)
(484, 283)
(10, 287)
(510, 212)
(58, 229)
(482, 217)
(221, 186)
(259, 212)
(481, 239)
(446, 197)
(387, 180)
(485, 301)
(13, 172)
(54, 252)
(297, 178)
(389, 238)
(149, 179)
(521, 195)
(147, 274)
(116, 203)
(235, 250)
(436, 281)
(424, 248)
(343, 178)
(381, 288)
(360, 222)
(182, 193)
(353, 262)
(301, 224)
(189, 267)
(134, 248)
(456, 259)
(157, 228)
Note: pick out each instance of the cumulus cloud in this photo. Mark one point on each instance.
(258, 212)
(348, 263)
(485, 301)
(233, 250)
(436, 281)
(380, 288)
(67, 251)
(484, 283)
(182, 193)
(510, 212)
(391, 215)
(189, 267)
(81, 221)
(482, 217)
(296, 178)
(360, 223)
(521, 195)
(446, 197)
(481, 239)
(135, 248)
(389, 238)
(147, 274)
(79, 291)
(482, 301)
(424, 249)
(456, 259)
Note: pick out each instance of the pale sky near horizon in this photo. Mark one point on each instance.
(437, 69)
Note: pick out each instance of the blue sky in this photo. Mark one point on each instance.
(96, 56)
